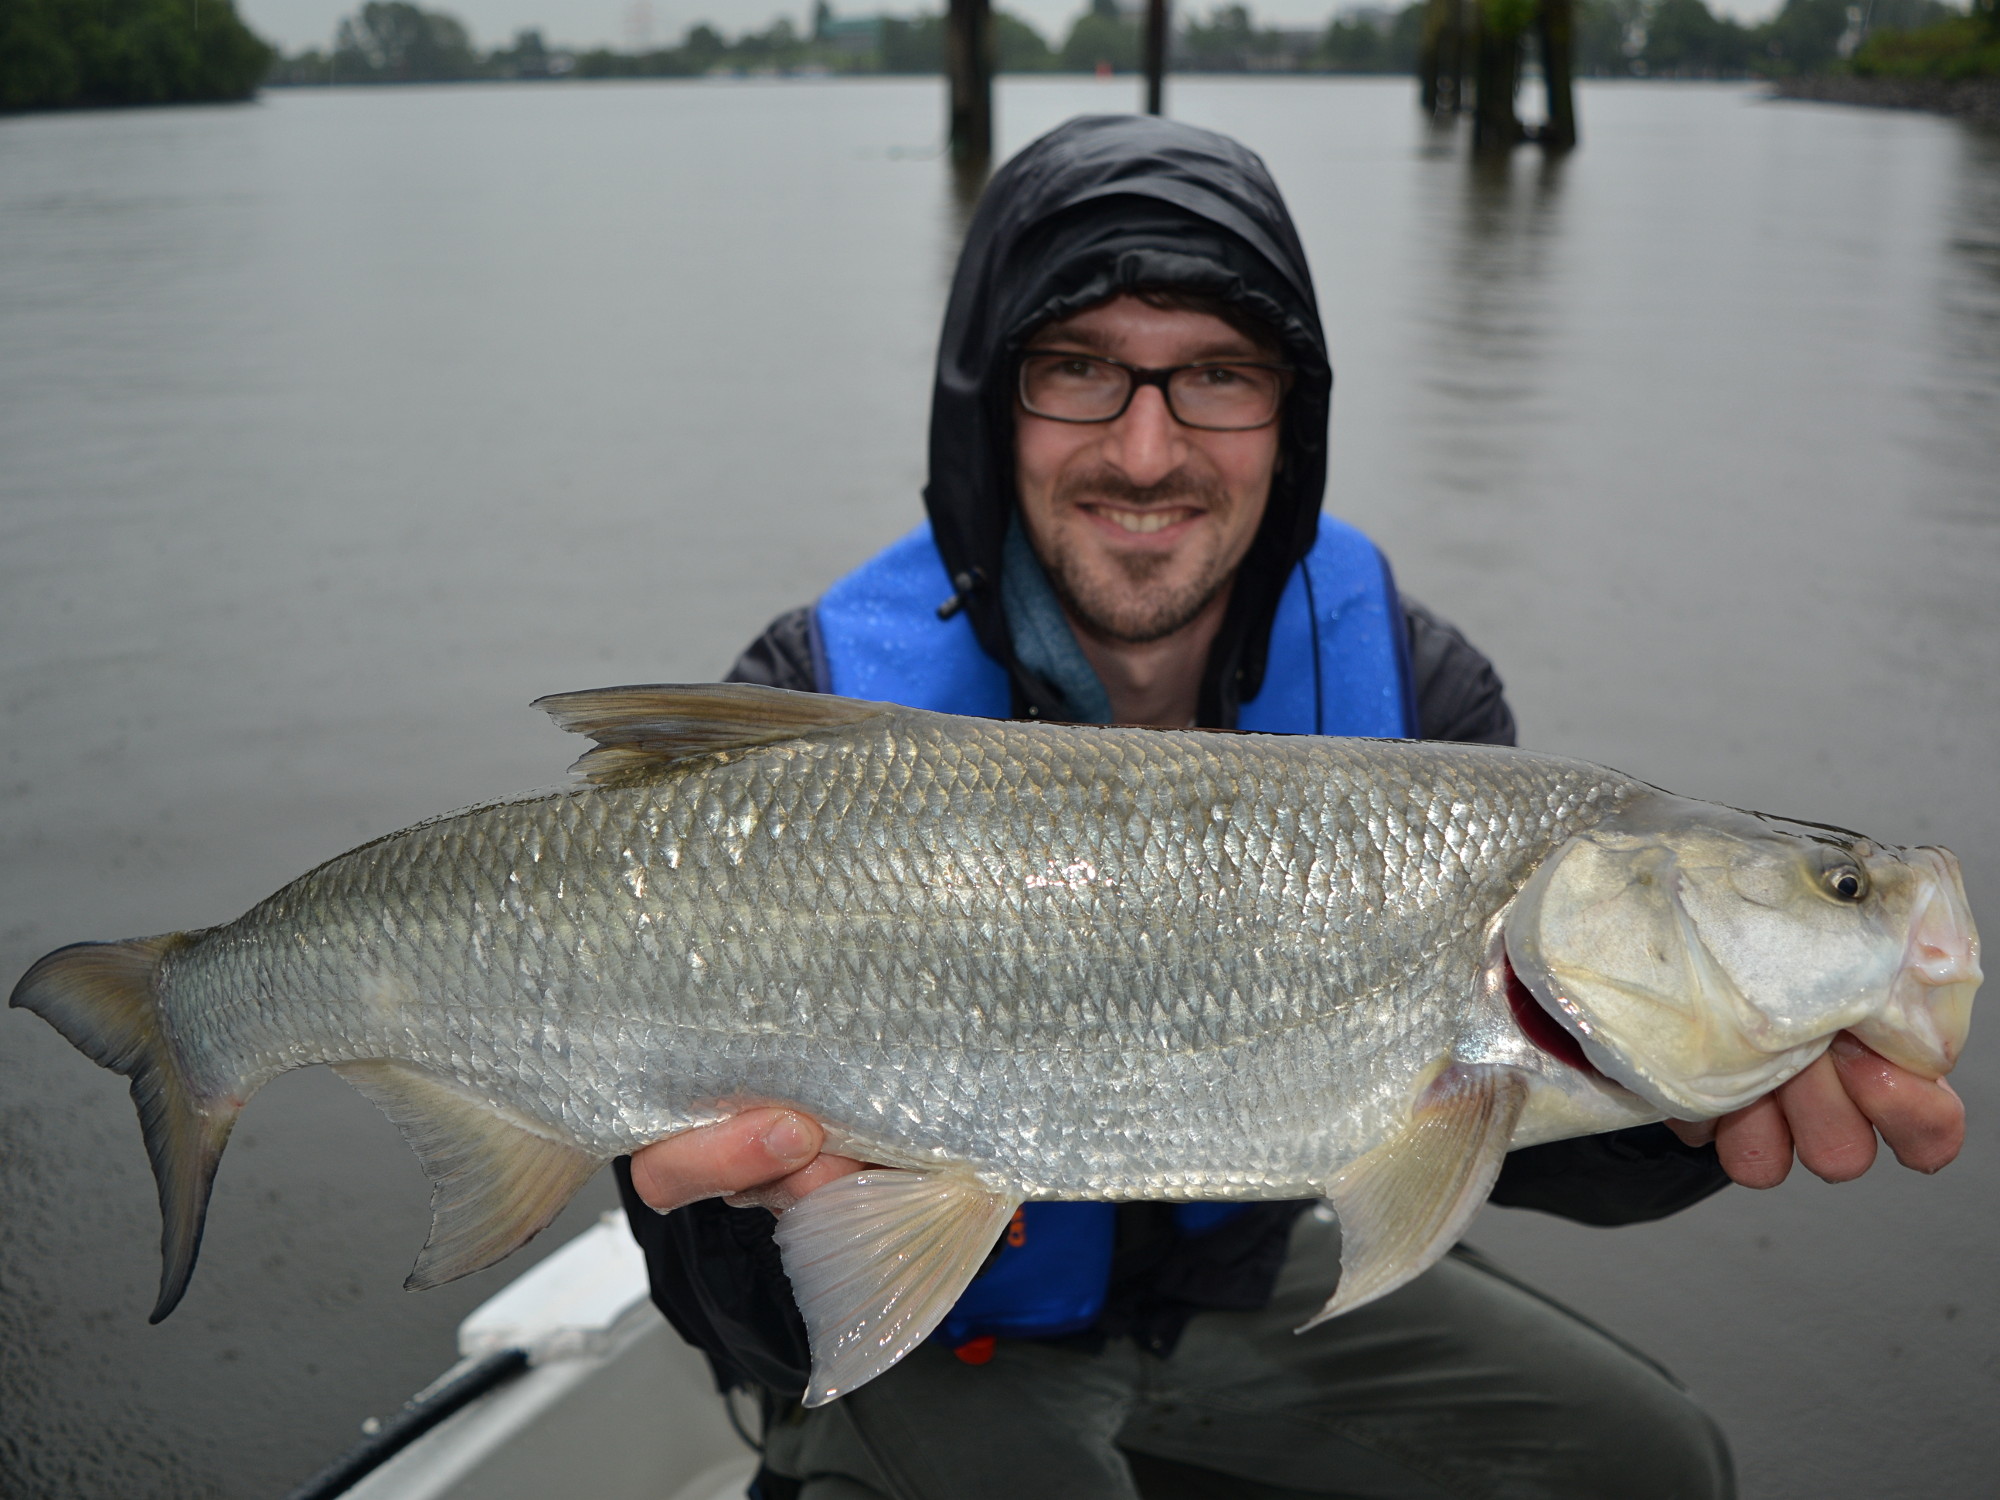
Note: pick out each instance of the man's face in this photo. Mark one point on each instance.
(1141, 522)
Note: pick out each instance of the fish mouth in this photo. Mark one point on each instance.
(1929, 1012)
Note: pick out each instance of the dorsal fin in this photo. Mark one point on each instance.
(643, 729)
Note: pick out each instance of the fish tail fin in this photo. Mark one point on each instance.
(104, 999)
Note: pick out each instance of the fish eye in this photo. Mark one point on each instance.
(1846, 882)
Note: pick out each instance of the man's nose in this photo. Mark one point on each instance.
(1146, 443)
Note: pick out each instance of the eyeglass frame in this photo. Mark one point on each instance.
(1140, 375)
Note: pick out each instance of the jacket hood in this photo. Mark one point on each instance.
(1102, 205)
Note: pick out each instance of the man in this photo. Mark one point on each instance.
(1127, 463)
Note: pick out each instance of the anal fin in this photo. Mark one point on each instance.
(495, 1183)
(1407, 1202)
(876, 1260)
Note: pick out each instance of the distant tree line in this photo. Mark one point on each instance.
(393, 41)
(1952, 48)
(1684, 39)
(56, 54)
(875, 44)
(390, 41)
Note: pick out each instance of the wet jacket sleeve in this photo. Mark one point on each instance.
(1628, 1176)
(786, 655)
(716, 1274)
(1459, 696)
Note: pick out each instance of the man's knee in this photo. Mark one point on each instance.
(1467, 1381)
(1036, 1420)
(833, 1487)
(1553, 1403)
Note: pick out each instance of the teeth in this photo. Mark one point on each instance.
(1145, 522)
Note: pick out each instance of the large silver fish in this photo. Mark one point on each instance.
(1024, 962)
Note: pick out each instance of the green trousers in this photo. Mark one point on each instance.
(1464, 1383)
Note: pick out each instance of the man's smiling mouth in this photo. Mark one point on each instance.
(1145, 522)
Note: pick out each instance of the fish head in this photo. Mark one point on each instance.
(1702, 956)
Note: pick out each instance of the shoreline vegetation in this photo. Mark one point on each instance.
(1921, 54)
(58, 54)
(1948, 67)
(395, 41)
(1967, 98)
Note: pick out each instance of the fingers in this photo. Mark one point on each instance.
(1831, 1113)
(754, 1149)
(1833, 1138)
(1921, 1119)
(1693, 1132)
(1754, 1144)
(781, 1195)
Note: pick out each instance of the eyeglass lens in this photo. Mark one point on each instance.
(1076, 388)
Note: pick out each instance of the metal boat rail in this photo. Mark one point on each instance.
(568, 1380)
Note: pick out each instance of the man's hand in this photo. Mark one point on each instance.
(769, 1158)
(1830, 1114)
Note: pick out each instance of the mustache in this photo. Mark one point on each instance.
(1104, 483)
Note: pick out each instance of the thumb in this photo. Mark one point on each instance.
(732, 1156)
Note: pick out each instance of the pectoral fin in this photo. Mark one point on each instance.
(495, 1183)
(1406, 1202)
(876, 1260)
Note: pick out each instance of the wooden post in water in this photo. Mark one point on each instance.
(1557, 23)
(1469, 58)
(1496, 77)
(1441, 57)
(1428, 57)
(968, 62)
(1156, 55)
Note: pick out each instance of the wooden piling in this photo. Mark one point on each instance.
(968, 61)
(1441, 57)
(1469, 59)
(1557, 33)
(1156, 55)
(1427, 59)
(1496, 79)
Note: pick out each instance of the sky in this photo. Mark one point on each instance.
(297, 24)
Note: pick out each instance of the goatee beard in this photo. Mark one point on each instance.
(1139, 608)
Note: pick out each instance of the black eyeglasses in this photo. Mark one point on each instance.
(1226, 395)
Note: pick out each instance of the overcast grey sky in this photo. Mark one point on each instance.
(296, 24)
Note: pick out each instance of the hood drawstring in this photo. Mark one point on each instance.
(967, 584)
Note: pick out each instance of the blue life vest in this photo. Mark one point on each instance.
(1338, 663)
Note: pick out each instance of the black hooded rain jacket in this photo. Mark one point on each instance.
(1101, 206)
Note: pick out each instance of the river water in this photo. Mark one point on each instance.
(335, 428)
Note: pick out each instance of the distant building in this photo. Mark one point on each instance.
(1375, 17)
(861, 35)
(856, 37)
(1291, 49)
